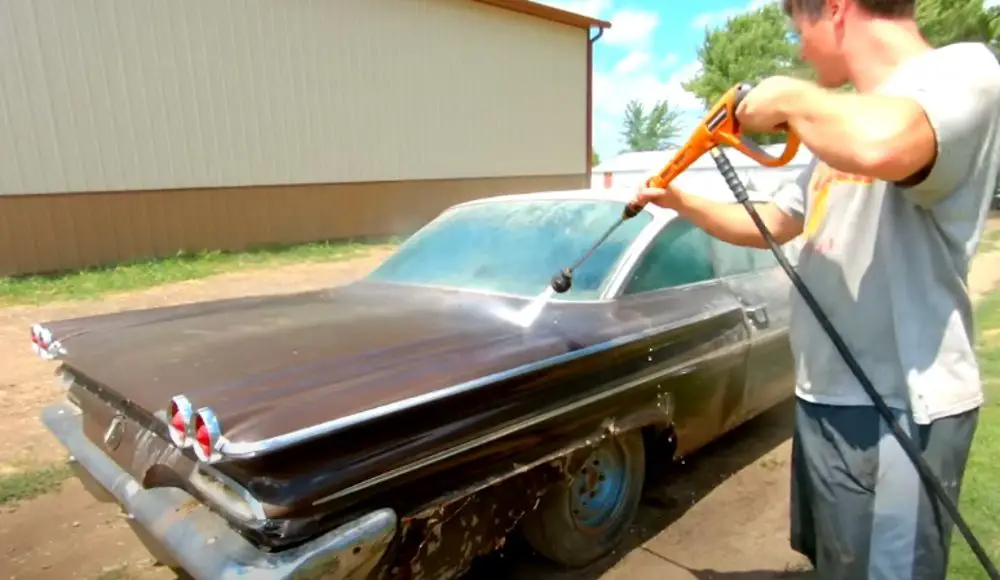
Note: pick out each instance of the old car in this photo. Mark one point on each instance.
(401, 425)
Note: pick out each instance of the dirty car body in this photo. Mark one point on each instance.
(401, 425)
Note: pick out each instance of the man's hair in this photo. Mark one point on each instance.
(882, 8)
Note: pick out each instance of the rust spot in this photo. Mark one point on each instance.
(441, 540)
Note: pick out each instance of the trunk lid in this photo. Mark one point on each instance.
(272, 365)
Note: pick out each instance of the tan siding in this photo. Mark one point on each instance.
(44, 233)
(106, 95)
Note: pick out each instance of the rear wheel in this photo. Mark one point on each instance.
(578, 523)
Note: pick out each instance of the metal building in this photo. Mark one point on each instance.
(131, 129)
(629, 170)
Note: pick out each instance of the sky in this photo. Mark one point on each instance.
(650, 49)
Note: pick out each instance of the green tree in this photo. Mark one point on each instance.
(652, 131)
(748, 48)
(994, 14)
(947, 21)
(760, 43)
(595, 159)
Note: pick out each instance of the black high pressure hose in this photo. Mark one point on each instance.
(738, 189)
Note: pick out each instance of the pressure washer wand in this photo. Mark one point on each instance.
(739, 190)
(562, 281)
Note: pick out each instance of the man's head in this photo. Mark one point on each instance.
(829, 31)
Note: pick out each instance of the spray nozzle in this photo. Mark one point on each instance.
(562, 281)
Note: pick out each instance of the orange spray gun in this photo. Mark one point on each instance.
(719, 128)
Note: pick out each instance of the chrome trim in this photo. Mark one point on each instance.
(207, 480)
(632, 256)
(186, 534)
(248, 449)
(681, 368)
(184, 438)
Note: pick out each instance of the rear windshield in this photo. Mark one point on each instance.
(515, 247)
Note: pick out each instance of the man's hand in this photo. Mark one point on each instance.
(765, 108)
(666, 198)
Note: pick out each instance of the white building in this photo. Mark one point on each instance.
(632, 169)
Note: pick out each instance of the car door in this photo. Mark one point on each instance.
(760, 285)
(674, 283)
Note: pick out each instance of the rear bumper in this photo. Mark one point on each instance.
(185, 534)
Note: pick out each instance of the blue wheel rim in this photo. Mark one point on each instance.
(598, 487)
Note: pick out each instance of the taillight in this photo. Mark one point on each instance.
(207, 433)
(41, 341)
(180, 414)
(44, 344)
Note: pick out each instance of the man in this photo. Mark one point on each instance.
(891, 212)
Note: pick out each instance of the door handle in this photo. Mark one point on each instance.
(758, 314)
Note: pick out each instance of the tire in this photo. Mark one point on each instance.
(575, 530)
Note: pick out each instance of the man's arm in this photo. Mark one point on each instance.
(880, 136)
(784, 216)
(730, 222)
(926, 141)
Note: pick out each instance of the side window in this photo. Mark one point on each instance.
(681, 254)
(731, 259)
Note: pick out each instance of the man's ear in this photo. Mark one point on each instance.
(835, 10)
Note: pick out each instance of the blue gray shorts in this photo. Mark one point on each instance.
(859, 508)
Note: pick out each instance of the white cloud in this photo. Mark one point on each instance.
(719, 17)
(641, 74)
(630, 28)
(632, 62)
(991, 4)
(614, 89)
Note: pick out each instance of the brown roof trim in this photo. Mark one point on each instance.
(548, 13)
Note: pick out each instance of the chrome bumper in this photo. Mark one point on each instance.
(187, 535)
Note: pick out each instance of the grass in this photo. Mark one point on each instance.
(980, 499)
(31, 483)
(991, 241)
(98, 282)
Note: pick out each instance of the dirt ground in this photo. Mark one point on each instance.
(723, 516)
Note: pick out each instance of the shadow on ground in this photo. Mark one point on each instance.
(671, 491)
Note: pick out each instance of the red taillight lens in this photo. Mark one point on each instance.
(41, 336)
(179, 417)
(204, 438)
(207, 434)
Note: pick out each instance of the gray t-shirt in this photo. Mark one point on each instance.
(889, 264)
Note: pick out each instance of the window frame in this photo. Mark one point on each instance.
(622, 291)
